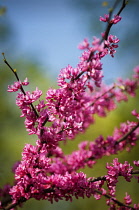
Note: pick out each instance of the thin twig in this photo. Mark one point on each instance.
(13, 205)
(127, 134)
(119, 203)
(102, 95)
(107, 31)
(109, 25)
(100, 178)
(21, 87)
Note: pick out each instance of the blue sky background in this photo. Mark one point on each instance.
(49, 32)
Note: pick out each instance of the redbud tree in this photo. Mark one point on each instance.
(44, 171)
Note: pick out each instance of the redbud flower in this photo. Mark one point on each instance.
(116, 19)
(84, 45)
(15, 87)
(128, 199)
(105, 18)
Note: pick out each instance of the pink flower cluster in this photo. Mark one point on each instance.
(115, 171)
(54, 186)
(17, 85)
(45, 172)
(111, 44)
(69, 107)
(114, 20)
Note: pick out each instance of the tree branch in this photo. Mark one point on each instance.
(109, 25)
(119, 203)
(21, 88)
(127, 134)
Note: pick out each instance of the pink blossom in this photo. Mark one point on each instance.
(116, 19)
(128, 199)
(117, 169)
(15, 87)
(25, 82)
(136, 70)
(111, 44)
(84, 45)
(136, 163)
(105, 18)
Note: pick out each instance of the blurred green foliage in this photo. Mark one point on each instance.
(2, 10)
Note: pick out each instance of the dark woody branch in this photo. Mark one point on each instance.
(17, 77)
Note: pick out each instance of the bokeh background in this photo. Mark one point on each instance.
(41, 37)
